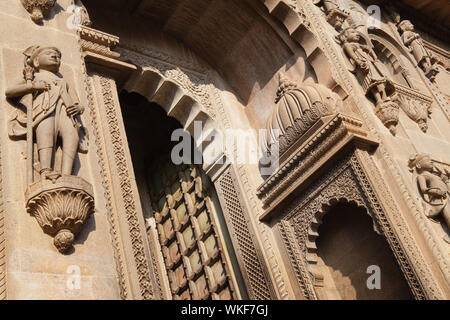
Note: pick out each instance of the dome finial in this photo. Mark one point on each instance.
(285, 85)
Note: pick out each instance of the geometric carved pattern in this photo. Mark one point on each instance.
(190, 242)
(258, 284)
(298, 227)
(137, 242)
(108, 197)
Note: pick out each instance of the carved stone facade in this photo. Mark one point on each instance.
(351, 115)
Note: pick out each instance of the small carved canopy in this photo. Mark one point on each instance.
(298, 108)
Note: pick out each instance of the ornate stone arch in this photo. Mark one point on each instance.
(392, 51)
(187, 96)
(298, 226)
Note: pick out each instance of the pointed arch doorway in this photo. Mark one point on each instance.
(354, 261)
(193, 253)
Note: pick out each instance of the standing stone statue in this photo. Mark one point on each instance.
(435, 191)
(373, 75)
(60, 201)
(414, 42)
(55, 108)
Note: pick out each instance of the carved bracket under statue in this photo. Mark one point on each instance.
(416, 105)
(433, 183)
(48, 111)
(38, 8)
(61, 208)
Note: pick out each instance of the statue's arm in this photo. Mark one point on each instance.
(350, 52)
(408, 38)
(19, 90)
(76, 107)
(422, 183)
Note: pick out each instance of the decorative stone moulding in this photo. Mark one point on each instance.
(38, 8)
(61, 207)
(98, 42)
(308, 154)
(298, 108)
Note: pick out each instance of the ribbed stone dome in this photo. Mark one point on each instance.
(298, 108)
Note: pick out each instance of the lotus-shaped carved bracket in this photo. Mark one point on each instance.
(61, 208)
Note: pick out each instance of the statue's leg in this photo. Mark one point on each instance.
(45, 131)
(70, 139)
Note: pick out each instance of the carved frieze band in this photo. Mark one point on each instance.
(346, 182)
(98, 42)
(120, 268)
(258, 282)
(137, 244)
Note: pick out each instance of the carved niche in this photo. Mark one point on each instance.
(48, 111)
(324, 166)
(38, 8)
(433, 184)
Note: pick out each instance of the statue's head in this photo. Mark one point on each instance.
(405, 25)
(45, 58)
(350, 35)
(421, 162)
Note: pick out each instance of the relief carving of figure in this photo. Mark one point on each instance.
(369, 69)
(55, 108)
(60, 201)
(373, 75)
(433, 185)
(414, 42)
(335, 15)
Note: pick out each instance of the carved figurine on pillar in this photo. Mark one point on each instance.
(335, 15)
(52, 112)
(414, 42)
(373, 76)
(433, 186)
